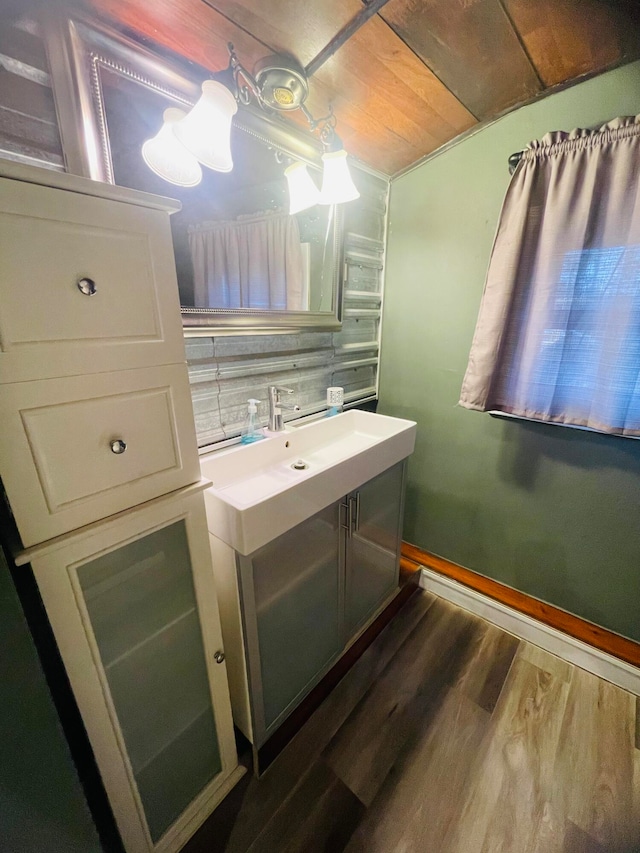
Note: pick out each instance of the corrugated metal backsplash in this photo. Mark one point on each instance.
(225, 371)
(28, 123)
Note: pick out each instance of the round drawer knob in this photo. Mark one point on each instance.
(118, 446)
(218, 657)
(87, 286)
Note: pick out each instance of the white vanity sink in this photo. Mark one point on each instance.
(257, 493)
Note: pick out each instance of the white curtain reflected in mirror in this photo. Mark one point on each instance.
(255, 261)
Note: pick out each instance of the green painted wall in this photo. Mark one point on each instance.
(554, 512)
(42, 806)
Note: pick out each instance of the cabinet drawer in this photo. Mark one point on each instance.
(59, 447)
(56, 248)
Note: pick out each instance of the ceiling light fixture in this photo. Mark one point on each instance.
(167, 157)
(337, 184)
(303, 193)
(206, 130)
(279, 84)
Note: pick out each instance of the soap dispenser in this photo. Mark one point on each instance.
(250, 431)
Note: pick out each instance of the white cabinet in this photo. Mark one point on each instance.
(99, 461)
(291, 608)
(96, 405)
(87, 279)
(78, 449)
(132, 603)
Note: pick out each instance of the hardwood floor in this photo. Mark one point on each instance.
(448, 736)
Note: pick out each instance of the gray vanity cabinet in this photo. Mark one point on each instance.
(374, 532)
(305, 596)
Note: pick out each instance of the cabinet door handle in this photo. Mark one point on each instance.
(218, 657)
(87, 286)
(118, 446)
(346, 524)
(354, 512)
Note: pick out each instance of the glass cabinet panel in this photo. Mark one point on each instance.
(373, 547)
(142, 606)
(296, 584)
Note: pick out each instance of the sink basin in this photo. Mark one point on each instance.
(260, 490)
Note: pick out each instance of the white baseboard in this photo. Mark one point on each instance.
(568, 648)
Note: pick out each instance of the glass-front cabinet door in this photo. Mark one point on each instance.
(374, 533)
(134, 612)
(292, 594)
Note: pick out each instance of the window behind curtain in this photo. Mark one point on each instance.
(558, 335)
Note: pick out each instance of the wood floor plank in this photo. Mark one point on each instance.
(420, 798)
(399, 704)
(546, 661)
(577, 841)
(264, 796)
(525, 817)
(635, 797)
(507, 804)
(595, 760)
(321, 815)
(330, 824)
(487, 666)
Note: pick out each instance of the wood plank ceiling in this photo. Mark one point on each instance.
(416, 74)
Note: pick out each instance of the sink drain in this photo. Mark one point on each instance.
(300, 465)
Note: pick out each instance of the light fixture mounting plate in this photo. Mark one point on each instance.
(282, 82)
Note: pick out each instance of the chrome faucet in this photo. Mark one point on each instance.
(276, 406)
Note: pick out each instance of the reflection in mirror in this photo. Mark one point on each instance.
(236, 245)
(242, 261)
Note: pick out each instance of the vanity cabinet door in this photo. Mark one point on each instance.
(373, 545)
(133, 608)
(292, 603)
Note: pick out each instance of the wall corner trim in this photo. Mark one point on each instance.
(591, 647)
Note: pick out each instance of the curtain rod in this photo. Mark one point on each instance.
(514, 159)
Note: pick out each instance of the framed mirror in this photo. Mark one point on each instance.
(243, 263)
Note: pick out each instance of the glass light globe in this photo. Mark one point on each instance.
(206, 130)
(167, 157)
(303, 193)
(337, 183)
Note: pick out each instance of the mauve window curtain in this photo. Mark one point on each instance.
(558, 334)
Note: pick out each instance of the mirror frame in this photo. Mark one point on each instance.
(78, 49)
